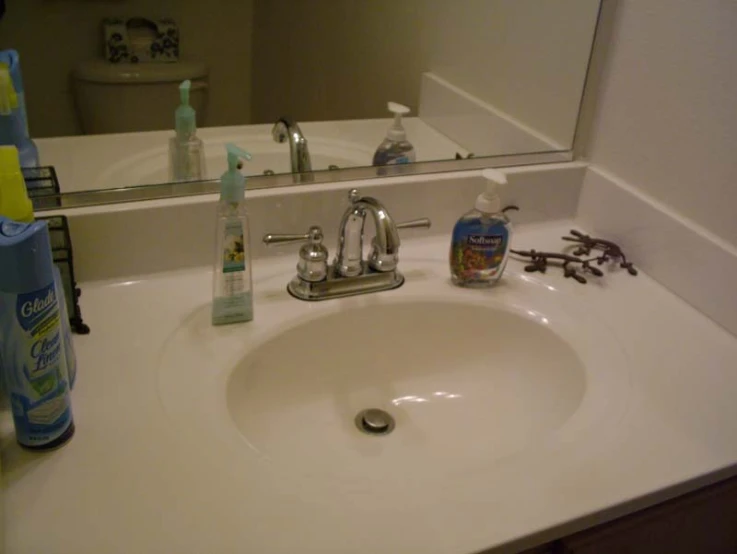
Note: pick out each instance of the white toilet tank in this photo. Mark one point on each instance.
(120, 98)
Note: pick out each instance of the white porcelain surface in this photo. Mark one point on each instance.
(151, 166)
(644, 410)
(126, 159)
(464, 383)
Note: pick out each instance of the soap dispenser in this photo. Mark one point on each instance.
(395, 149)
(186, 151)
(481, 238)
(232, 296)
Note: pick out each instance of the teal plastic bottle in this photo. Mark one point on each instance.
(481, 238)
(186, 149)
(232, 297)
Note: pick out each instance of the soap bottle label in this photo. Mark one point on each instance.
(478, 256)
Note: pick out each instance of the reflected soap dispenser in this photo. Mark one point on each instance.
(232, 299)
(186, 151)
(480, 244)
(395, 149)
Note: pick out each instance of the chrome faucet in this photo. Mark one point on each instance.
(286, 129)
(385, 246)
(349, 274)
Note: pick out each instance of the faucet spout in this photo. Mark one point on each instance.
(285, 129)
(384, 247)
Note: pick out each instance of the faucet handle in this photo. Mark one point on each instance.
(388, 262)
(313, 256)
(278, 239)
(421, 223)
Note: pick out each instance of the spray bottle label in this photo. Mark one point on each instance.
(234, 259)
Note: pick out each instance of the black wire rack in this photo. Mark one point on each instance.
(44, 192)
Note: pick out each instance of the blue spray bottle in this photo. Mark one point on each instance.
(31, 337)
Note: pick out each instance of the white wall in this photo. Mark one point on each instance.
(666, 114)
(330, 59)
(53, 35)
(527, 58)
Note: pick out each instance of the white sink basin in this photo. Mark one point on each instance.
(465, 384)
(473, 379)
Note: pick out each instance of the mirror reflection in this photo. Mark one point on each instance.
(124, 93)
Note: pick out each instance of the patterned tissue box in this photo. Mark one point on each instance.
(139, 39)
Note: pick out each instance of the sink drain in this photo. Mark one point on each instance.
(374, 422)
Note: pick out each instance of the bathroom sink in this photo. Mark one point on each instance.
(462, 384)
(455, 381)
(152, 164)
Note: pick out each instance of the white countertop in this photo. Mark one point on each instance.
(91, 162)
(138, 478)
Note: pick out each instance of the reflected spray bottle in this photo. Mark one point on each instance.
(186, 150)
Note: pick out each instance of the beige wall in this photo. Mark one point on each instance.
(345, 59)
(334, 59)
(665, 119)
(327, 59)
(53, 35)
(527, 58)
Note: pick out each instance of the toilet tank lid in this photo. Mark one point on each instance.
(101, 71)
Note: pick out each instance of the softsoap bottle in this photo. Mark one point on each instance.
(481, 238)
(186, 150)
(395, 148)
(232, 299)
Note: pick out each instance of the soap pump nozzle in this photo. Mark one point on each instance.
(489, 201)
(185, 116)
(396, 131)
(233, 182)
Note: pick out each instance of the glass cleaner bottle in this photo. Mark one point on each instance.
(32, 357)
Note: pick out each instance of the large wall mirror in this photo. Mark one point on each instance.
(480, 78)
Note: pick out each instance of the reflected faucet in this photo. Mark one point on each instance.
(287, 129)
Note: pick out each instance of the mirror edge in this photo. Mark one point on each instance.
(138, 193)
